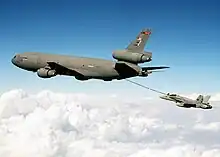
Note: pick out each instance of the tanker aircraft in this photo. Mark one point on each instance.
(124, 66)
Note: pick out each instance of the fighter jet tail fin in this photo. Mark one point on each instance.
(199, 99)
(203, 99)
(138, 44)
(206, 98)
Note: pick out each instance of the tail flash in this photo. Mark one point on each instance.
(199, 99)
(139, 43)
(206, 98)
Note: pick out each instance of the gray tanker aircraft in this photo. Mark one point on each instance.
(84, 68)
(200, 102)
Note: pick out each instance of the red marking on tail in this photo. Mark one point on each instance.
(147, 32)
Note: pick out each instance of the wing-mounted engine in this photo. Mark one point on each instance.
(132, 57)
(46, 73)
(205, 106)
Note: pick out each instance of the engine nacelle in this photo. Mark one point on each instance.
(46, 73)
(132, 57)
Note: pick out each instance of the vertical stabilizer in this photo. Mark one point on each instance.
(199, 99)
(206, 99)
(138, 44)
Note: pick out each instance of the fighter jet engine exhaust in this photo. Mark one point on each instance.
(207, 106)
(46, 73)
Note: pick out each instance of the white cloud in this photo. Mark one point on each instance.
(50, 124)
(213, 126)
(215, 97)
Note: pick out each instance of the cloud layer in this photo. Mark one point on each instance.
(50, 124)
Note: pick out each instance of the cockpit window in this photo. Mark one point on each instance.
(21, 58)
(24, 58)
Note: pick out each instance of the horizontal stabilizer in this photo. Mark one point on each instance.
(154, 68)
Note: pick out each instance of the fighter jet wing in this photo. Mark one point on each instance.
(125, 69)
(60, 69)
(176, 98)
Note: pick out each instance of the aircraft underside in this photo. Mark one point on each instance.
(186, 105)
(48, 73)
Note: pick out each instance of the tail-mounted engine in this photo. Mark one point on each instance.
(46, 73)
(132, 57)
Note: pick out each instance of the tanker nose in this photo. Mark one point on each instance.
(13, 60)
(16, 60)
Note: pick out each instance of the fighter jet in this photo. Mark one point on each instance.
(83, 68)
(200, 102)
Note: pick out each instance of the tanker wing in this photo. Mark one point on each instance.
(125, 69)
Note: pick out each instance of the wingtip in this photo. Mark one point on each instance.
(164, 67)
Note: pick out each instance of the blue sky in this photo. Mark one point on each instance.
(185, 37)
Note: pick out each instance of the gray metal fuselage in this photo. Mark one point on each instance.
(92, 67)
(179, 99)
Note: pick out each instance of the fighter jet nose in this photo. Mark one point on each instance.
(162, 97)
